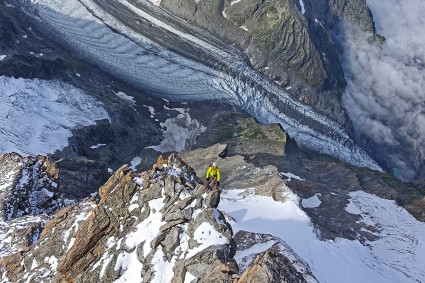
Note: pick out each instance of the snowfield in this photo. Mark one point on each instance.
(398, 256)
(37, 116)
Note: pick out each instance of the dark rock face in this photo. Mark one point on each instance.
(80, 177)
(7, 31)
(29, 192)
(31, 186)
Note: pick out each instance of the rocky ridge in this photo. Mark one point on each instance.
(160, 225)
(164, 219)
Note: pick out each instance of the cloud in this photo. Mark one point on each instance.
(385, 94)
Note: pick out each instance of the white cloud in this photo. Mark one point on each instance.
(385, 95)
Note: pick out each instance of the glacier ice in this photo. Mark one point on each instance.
(115, 43)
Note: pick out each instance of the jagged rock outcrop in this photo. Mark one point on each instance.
(29, 192)
(30, 186)
(161, 225)
(264, 258)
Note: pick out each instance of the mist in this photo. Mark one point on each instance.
(385, 94)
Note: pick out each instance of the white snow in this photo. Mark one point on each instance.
(34, 264)
(136, 161)
(138, 181)
(180, 133)
(9, 244)
(134, 202)
(7, 181)
(163, 269)
(302, 7)
(312, 202)
(124, 96)
(130, 267)
(97, 145)
(37, 116)
(291, 176)
(53, 261)
(148, 229)
(399, 256)
(402, 238)
(244, 28)
(188, 278)
(206, 236)
(48, 193)
(155, 2)
(151, 110)
(2, 57)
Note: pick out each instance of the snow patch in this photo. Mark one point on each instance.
(163, 269)
(130, 266)
(136, 161)
(188, 278)
(97, 145)
(151, 110)
(302, 7)
(312, 202)
(148, 229)
(206, 236)
(38, 116)
(245, 257)
(2, 57)
(124, 96)
(401, 243)
(155, 2)
(291, 176)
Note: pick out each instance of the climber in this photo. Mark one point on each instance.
(213, 173)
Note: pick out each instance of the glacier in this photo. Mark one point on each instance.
(193, 66)
(38, 116)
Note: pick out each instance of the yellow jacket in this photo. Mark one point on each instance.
(213, 173)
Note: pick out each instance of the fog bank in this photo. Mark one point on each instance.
(385, 95)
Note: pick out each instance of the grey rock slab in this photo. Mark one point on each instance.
(213, 199)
